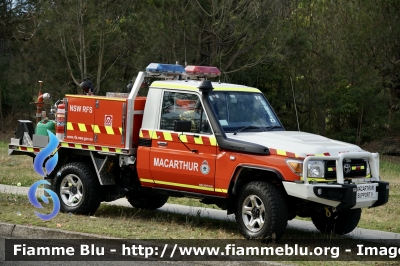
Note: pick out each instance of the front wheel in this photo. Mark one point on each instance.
(78, 188)
(261, 211)
(341, 223)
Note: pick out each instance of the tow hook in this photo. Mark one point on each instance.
(328, 212)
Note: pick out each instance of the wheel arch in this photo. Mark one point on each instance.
(245, 173)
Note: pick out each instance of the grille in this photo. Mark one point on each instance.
(356, 167)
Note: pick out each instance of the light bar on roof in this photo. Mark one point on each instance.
(165, 69)
(202, 71)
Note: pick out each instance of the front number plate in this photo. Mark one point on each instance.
(366, 191)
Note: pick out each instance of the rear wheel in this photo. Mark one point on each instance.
(146, 201)
(261, 211)
(341, 223)
(78, 188)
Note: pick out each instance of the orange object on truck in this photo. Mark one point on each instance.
(218, 142)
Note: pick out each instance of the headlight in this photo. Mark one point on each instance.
(316, 169)
(295, 165)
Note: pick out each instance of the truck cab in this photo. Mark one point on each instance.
(218, 142)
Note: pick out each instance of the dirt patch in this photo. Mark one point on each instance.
(385, 146)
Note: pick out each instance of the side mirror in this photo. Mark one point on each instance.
(182, 126)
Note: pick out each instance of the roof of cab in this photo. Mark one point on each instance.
(193, 85)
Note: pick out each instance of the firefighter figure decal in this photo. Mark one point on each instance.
(108, 120)
(204, 168)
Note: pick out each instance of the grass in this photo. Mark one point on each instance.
(19, 170)
(131, 223)
(118, 221)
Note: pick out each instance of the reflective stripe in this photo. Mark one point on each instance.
(213, 141)
(183, 138)
(182, 185)
(82, 127)
(96, 129)
(173, 136)
(273, 151)
(72, 145)
(167, 136)
(69, 126)
(281, 152)
(198, 140)
(221, 190)
(109, 130)
(146, 180)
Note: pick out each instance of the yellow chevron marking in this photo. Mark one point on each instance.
(153, 134)
(82, 127)
(109, 130)
(69, 126)
(281, 152)
(198, 140)
(96, 129)
(213, 141)
(183, 138)
(167, 136)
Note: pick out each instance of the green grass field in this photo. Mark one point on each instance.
(18, 170)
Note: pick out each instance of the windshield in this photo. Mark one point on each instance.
(243, 111)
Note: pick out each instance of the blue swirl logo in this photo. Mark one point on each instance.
(49, 167)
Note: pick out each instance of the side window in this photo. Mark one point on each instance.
(183, 106)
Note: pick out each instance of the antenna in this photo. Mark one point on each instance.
(295, 107)
(184, 43)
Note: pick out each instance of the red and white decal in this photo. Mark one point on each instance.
(108, 120)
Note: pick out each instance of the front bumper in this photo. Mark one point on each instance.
(341, 196)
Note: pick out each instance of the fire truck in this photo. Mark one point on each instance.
(192, 137)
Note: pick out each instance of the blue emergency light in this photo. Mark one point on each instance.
(166, 69)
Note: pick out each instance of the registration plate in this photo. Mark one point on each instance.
(366, 191)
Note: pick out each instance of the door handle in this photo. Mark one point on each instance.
(162, 143)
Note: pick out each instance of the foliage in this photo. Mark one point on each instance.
(340, 59)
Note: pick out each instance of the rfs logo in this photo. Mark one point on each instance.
(205, 168)
(108, 120)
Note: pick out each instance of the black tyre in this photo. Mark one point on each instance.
(78, 188)
(261, 211)
(146, 201)
(341, 223)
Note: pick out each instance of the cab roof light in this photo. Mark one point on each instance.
(157, 69)
(203, 71)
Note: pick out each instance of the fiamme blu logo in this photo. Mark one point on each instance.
(48, 168)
